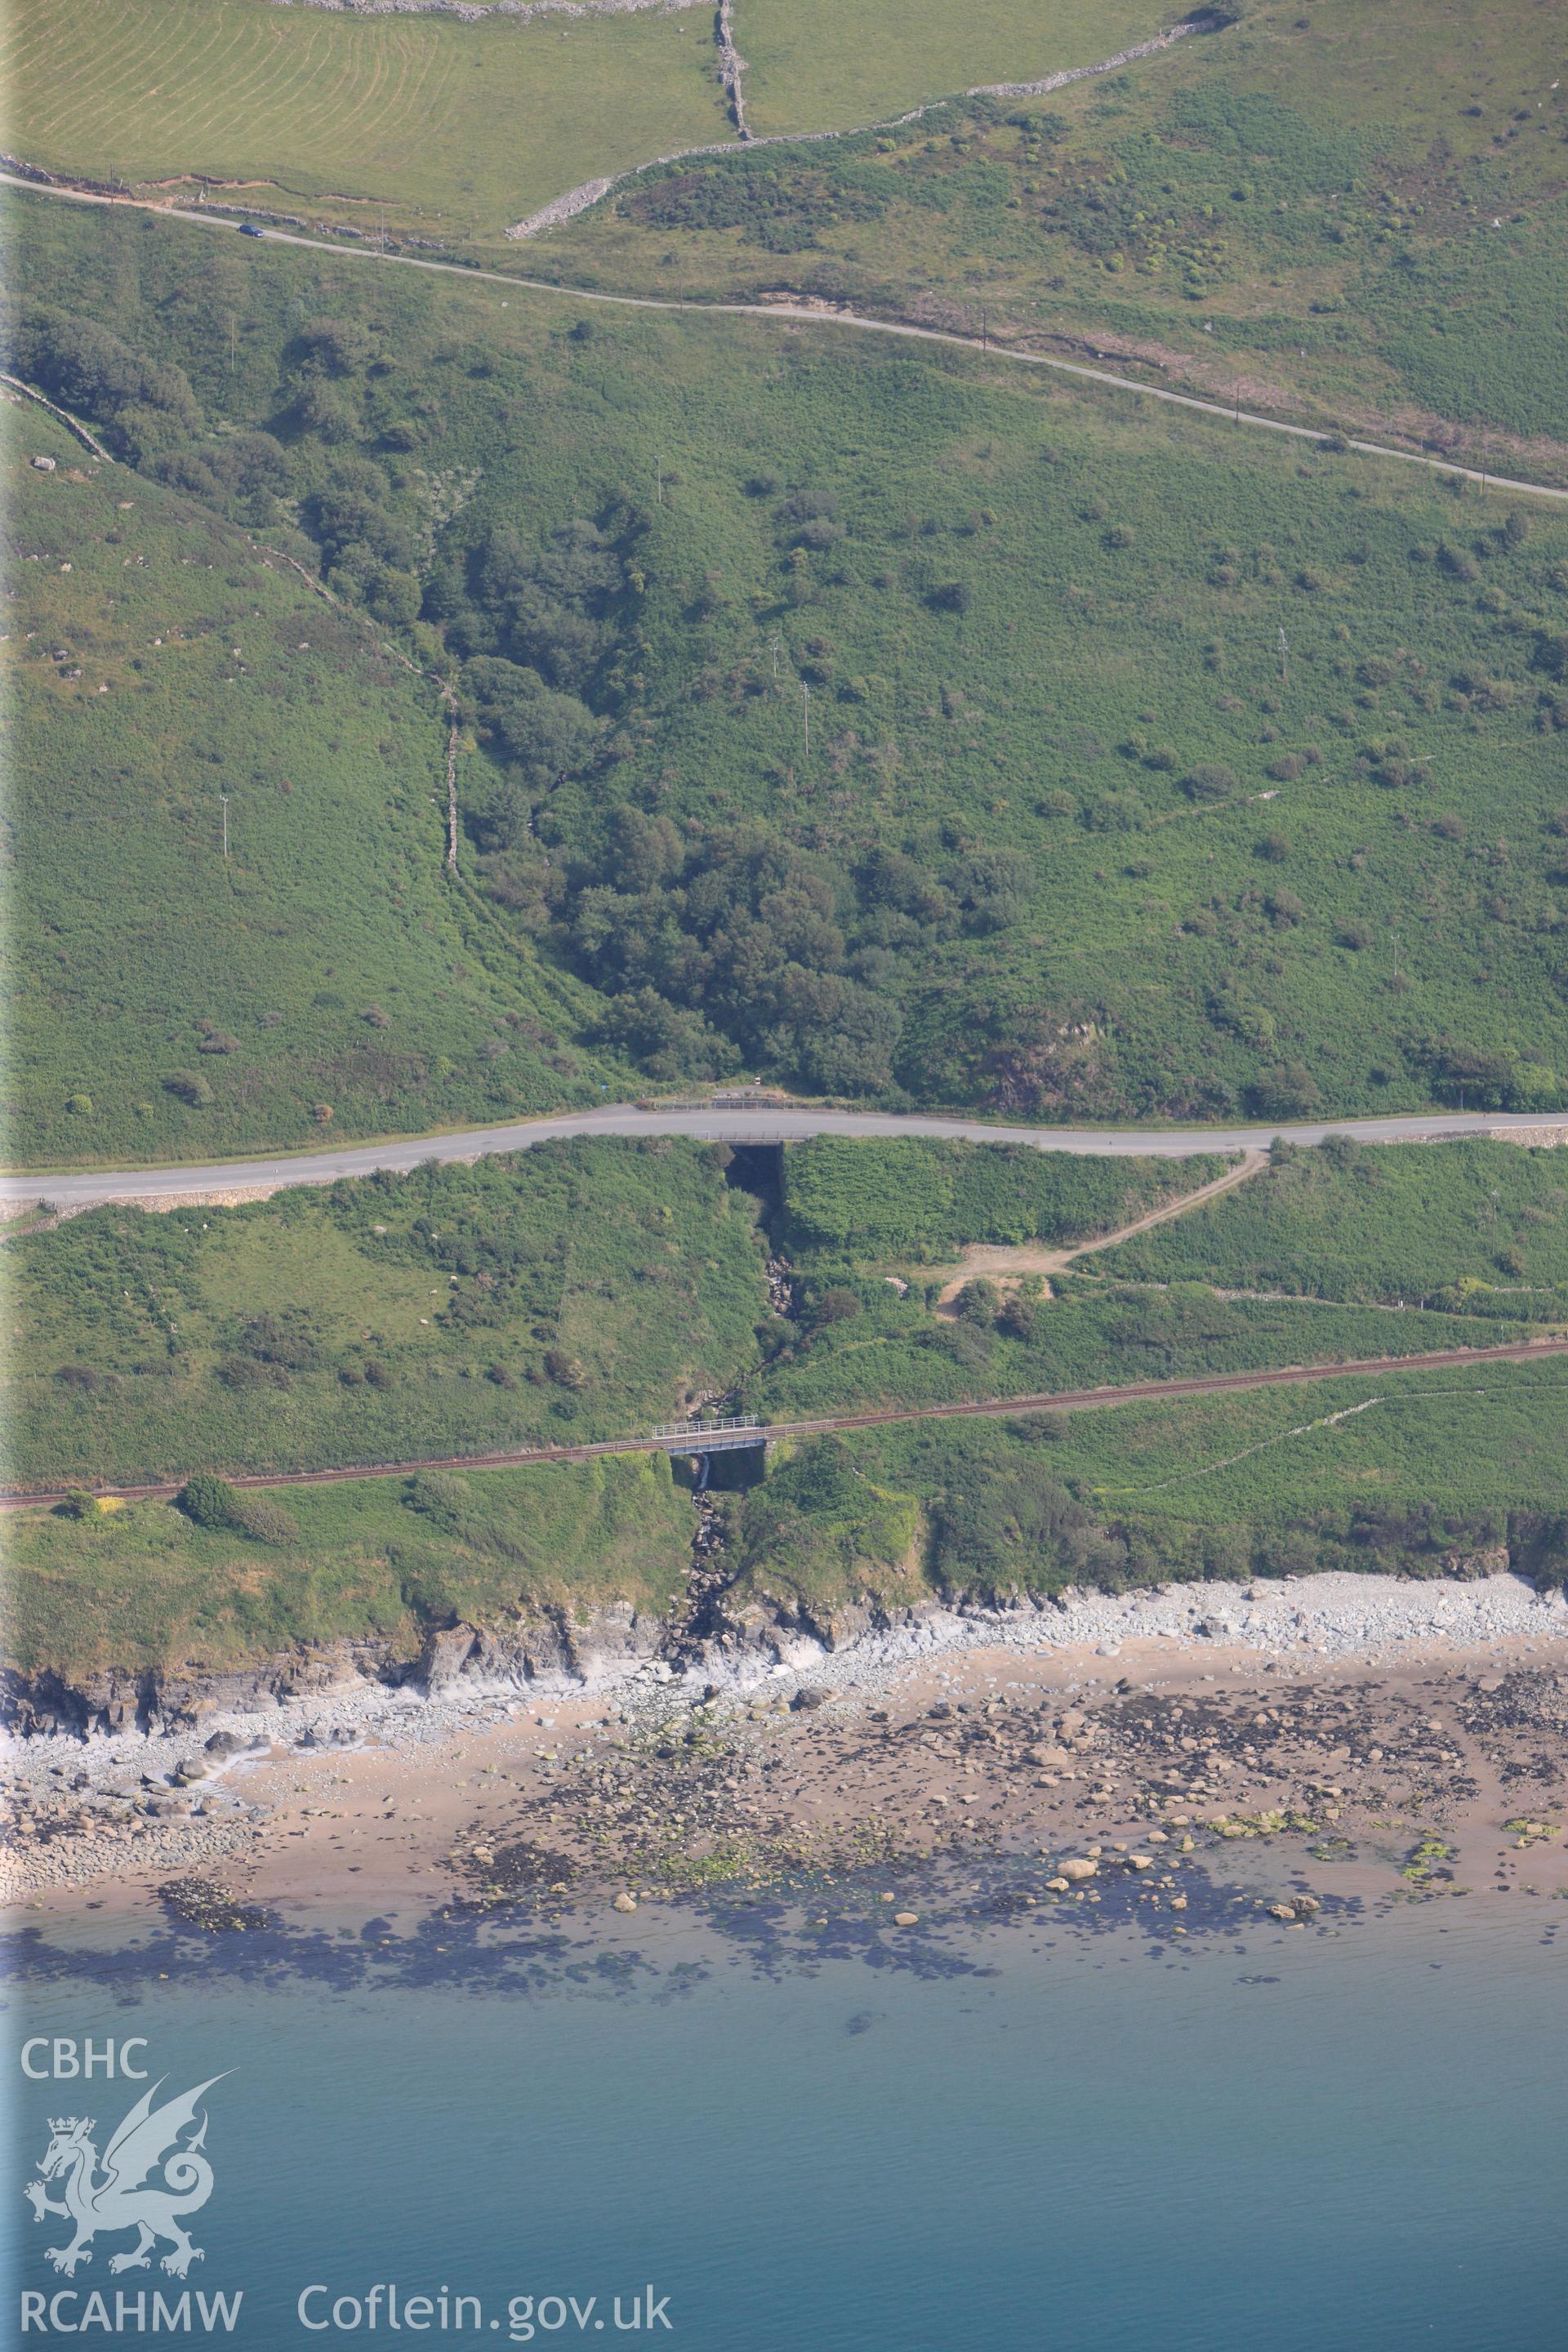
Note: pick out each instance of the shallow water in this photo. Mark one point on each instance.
(1352, 2137)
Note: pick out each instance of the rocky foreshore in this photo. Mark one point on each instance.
(1335, 1616)
(176, 1776)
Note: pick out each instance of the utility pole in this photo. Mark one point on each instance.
(1284, 659)
(224, 798)
(805, 713)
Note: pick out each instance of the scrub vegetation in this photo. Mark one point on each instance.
(581, 1290)
(1469, 1224)
(1437, 1472)
(383, 1560)
(588, 1290)
(1434, 1471)
(1323, 210)
(1154, 769)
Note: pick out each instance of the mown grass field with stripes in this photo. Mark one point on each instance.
(463, 128)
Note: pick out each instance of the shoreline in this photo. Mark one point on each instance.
(1036, 1730)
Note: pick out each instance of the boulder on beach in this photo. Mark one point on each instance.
(1076, 1868)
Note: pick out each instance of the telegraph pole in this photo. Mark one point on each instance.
(805, 713)
(1284, 659)
(224, 798)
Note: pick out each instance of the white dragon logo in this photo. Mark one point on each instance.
(125, 2198)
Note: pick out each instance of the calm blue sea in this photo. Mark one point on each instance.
(1281, 2140)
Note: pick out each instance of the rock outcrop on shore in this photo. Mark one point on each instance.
(1326, 1617)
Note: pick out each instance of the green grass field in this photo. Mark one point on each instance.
(1226, 1488)
(1422, 1475)
(1433, 1468)
(815, 65)
(418, 124)
(1486, 1222)
(899, 1202)
(587, 1290)
(893, 1352)
(584, 1288)
(1331, 216)
(414, 123)
(579, 1291)
(1155, 768)
(376, 1559)
(328, 977)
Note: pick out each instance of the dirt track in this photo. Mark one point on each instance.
(984, 1408)
(1005, 1262)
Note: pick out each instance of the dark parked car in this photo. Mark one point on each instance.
(249, 228)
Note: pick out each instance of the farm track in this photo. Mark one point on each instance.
(876, 1417)
(801, 314)
(1006, 1261)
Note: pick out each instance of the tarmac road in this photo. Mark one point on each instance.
(84, 1188)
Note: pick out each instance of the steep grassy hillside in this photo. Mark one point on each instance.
(376, 1558)
(327, 977)
(1154, 767)
(1482, 1225)
(1352, 210)
(1429, 1470)
(579, 1291)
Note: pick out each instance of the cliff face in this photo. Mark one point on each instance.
(549, 1645)
(545, 1646)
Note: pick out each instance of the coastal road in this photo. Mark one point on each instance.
(166, 1187)
(801, 314)
(1514, 1351)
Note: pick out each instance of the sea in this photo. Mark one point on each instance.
(741, 2132)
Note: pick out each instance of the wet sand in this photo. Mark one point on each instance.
(1444, 1776)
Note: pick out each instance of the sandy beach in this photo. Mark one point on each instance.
(1383, 1736)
